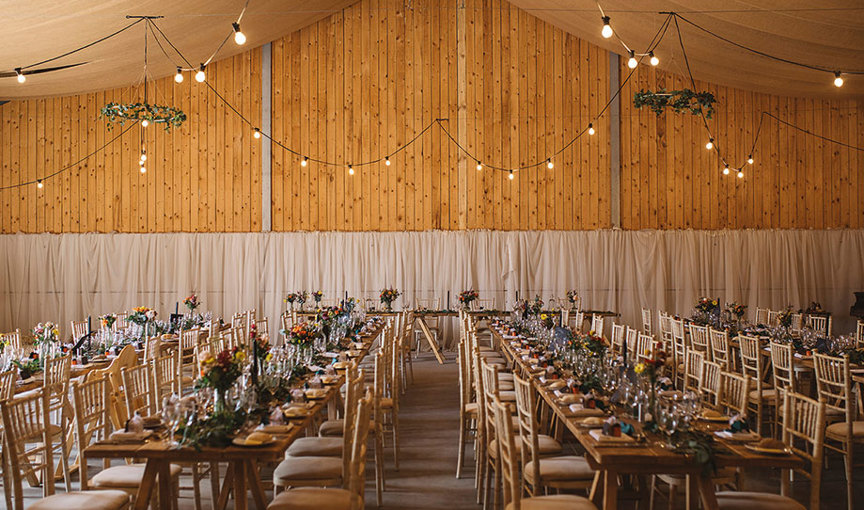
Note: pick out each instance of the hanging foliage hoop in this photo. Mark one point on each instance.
(679, 101)
(120, 113)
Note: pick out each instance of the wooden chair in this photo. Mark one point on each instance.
(693, 362)
(762, 399)
(558, 472)
(761, 316)
(646, 321)
(13, 339)
(79, 329)
(834, 387)
(721, 352)
(351, 495)
(7, 391)
(25, 421)
(664, 322)
(644, 347)
(93, 423)
(700, 340)
(679, 350)
(138, 391)
(617, 339)
(597, 322)
(797, 322)
(632, 338)
(164, 375)
(709, 385)
(734, 392)
(859, 334)
(55, 383)
(803, 421)
(576, 321)
(330, 446)
(819, 324)
(510, 464)
(467, 405)
(782, 368)
(187, 362)
(773, 318)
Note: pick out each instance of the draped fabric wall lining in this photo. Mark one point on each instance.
(70, 276)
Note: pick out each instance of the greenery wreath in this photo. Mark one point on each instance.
(680, 101)
(139, 112)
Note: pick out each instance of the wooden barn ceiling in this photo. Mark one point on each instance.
(829, 33)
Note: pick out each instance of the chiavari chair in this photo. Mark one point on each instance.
(773, 318)
(55, 383)
(762, 399)
(79, 329)
(539, 473)
(576, 321)
(859, 334)
(803, 422)
(467, 405)
(693, 361)
(7, 390)
(664, 322)
(797, 322)
(834, 387)
(679, 350)
(761, 316)
(26, 421)
(138, 391)
(510, 467)
(782, 368)
(187, 363)
(819, 324)
(646, 321)
(617, 339)
(164, 373)
(351, 495)
(700, 340)
(597, 322)
(632, 339)
(709, 385)
(13, 339)
(721, 352)
(734, 392)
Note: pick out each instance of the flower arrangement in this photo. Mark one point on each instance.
(107, 320)
(572, 297)
(317, 295)
(388, 296)
(28, 366)
(535, 306)
(141, 315)
(46, 333)
(651, 368)
(220, 372)
(467, 296)
(784, 318)
(708, 305)
(547, 320)
(192, 302)
(302, 334)
(736, 310)
(291, 298)
(594, 344)
(302, 296)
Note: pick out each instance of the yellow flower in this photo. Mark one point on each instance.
(543, 316)
(714, 302)
(239, 356)
(639, 368)
(268, 357)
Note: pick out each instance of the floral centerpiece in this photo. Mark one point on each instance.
(708, 306)
(219, 373)
(784, 318)
(28, 366)
(316, 296)
(107, 320)
(291, 298)
(192, 302)
(142, 316)
(302, 335)
(736, 310)
(651, 370)
(302, 296)
(594, 344)
(466, 297)
(46, 333)
(388, 296)
(573, 298)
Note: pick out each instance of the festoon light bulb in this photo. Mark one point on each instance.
(549, 164)
(178, 76)
(632, 62)
(654, 60)
(838, 80)
(239, 37)
(710, 144)
(606, 32)
(20, 74)
(200, 76)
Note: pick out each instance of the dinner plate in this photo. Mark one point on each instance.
(769, 451)
(241, 441)
(717, 419)
(296, 412)
(316, 393)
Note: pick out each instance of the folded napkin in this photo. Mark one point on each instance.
(276, 429)
(743, 437)
(598, 436)
(121, 436)
(579, 411)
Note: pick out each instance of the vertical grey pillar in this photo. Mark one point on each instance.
(266, 146)
(615, 139)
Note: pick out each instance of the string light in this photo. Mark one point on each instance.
(654, 60)
(20, 74)
(178, 77)
(200, 76)
(750, 160)
(479, 166)
(511, 176)
(145, 123)
(143, 169)
(350, 170)
(838, 80)
(740, 174)
(143, 157)
(606, 32)
(591, 130)
(305, 161)
(39, 183)
(387, 161)
(632, 62)
(239, 37)
(256, 133)
(710, 144)
(726, 169)
(549, 164)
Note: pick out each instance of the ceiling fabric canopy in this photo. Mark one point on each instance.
(827, 34)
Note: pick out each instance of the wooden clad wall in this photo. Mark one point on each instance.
(361, 83)
(203, 177)
(670, 181)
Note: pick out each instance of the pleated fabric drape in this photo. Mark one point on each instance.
(70, 276)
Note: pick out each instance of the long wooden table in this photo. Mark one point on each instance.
(242, 475)
(647, 459)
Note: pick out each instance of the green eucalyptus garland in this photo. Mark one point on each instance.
(137, 112)
(680, 101)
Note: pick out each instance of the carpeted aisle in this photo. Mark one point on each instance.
(429, 421)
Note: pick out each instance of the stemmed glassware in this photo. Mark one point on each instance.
(171, 416)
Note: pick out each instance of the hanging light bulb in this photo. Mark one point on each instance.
(838, 80)
(710, 144)
(350, 170)
(143, 169)
(479, 166)
(39, 183)
(143, 156)
(750, 160)
(591, 130)
(20, 74)
(387, 161)
(740, 174)
(632, 62)
(178, 76)
(239, 37)
(654, 59)
(606, 32)
(305, 161)
(145, 123)
(256, 133)
(200, 76)
(726, 170)
(549, 164)
(511, 176)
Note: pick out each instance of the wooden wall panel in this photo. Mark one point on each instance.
(669, 180)
(203, 177)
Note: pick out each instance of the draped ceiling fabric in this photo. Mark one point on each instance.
(70, 276)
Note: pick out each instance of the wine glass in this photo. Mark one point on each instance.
(171, 416)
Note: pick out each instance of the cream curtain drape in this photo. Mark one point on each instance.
(70, 276)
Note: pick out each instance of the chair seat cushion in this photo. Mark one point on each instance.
(308, 468)
(125, 476)
(733, 500)
(505, 376)
(91, 500)
(506, 385)
(314, 498)
(838, 430)
(768, 394)
(386, 403)
(331, 428)
(546, 444)
(471, 408)
(556, 502)
(507, 396)
(316, 447)
(564, 468)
